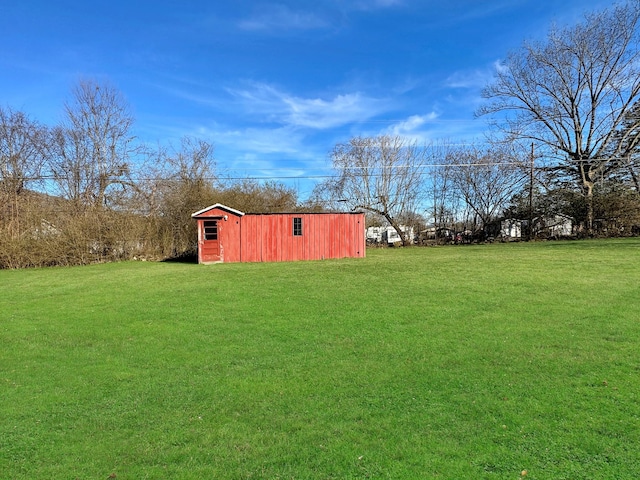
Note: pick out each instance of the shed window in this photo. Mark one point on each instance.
(210, 229)
(297, 227)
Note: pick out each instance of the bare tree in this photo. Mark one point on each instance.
(252, 196)
(21, 150)
(625, 147)
(382, 175)
(92, 148)
(443, 199)
(180, 182)
(486, 180)
(571, 93)
(22, 143)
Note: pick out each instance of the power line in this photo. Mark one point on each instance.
(371, 171)
(310, 176)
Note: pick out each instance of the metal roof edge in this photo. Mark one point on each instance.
(303, 213)
(221, 207)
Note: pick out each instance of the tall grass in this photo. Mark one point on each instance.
(498, 361)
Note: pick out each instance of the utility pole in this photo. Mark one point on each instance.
(531, 169)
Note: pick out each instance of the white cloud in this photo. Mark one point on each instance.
(376, 4)
(280, 17)
(315, 113)
(469, 79)
(279, 154)
(412, 124)
(500, 67)
(422, 129)
(264, 141)
(387, 3)
(432, 127)
(340, 110)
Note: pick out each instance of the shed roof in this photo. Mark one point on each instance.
(219, 206)
(233, 211)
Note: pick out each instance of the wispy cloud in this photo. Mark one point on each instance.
(481, 10)
(433, 127)
(340, 110)
(273, 153)
(500, 67)
(376, 4)
(261, 140)
(469, 79)
(279, 18)
(412, 124)
(315, 113)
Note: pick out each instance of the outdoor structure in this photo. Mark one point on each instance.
(556, 226)
(374, 235)
(433, 234)
(511, 228)
(228, 235)
(388, 234)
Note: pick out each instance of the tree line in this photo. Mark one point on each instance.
(86, 190)
(564, 114)
(564, 139)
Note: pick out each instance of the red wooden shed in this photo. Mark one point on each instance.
(228, 235)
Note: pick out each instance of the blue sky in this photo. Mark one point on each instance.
(273, 84)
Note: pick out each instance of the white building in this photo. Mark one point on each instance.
(388, 235)
(391, 236)
(558, 226)
(511, 228)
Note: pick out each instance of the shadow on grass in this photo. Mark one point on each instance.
(188, 258)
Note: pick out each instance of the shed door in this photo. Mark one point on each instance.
(211, 242)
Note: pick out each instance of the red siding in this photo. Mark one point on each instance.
(232, 248)
(269, 237)
(250, 238)
(228, 232)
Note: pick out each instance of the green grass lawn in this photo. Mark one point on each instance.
(457, 362)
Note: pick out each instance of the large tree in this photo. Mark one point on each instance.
(254, 197)
(381, 175)
(625, 146)
(22, 143)
(486, 179)
(91, 150)
(445, 202)
(179, 181)
(571, 93)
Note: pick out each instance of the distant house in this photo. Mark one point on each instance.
(388, 235)
(555, 226)
(510, 228)
(229, 235)
(552, 226)
(433, 233)
(374, 234)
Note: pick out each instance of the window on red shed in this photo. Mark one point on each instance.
(297, 226)
(210, 229)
